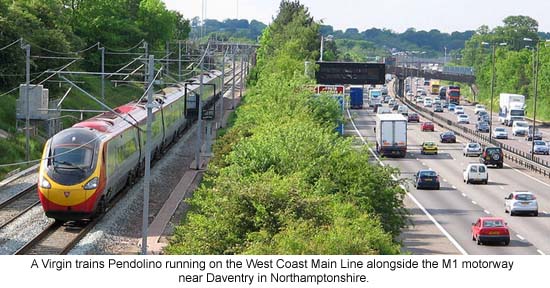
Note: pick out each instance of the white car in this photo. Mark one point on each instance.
(475, 172)
(520, 128)
(500, 133)
(459, 110)
(478, 108)
(521, 202)
(462, 119)
(471, 149)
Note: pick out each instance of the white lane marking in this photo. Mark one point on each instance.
(417, 159)
(544, 212)
(454, 187)
(423, 164)
(474, 202)
(520, 237)
(444, 180)
(544, 183)
(487, 212)
(501, 187)
(451, 239)
(463, 195)
(540, 252)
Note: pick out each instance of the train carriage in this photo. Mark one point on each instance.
(85, 166)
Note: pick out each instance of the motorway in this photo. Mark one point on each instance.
(457, 204)
(516, 142)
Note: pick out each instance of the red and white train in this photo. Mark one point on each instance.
(85, 166)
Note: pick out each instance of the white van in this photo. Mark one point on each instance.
(476, 172)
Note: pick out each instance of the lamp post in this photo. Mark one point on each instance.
(492, 87)
(329, 38)
(536, 64)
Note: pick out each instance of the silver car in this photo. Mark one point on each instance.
(471, 149)
(540, 147)
(521, 202)
(500, 133)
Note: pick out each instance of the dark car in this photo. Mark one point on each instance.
(530, 136)
(395, 106)
(447, 137)
(492, 156)
(482, 127)
(376, 106)
(424, 179)
(438, 108)
(483, 116)
(413, 117)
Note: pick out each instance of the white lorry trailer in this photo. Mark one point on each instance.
(511, 108)
(391, 135)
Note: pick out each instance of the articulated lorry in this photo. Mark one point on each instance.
(391, 135)
(511, 108)
(453, 94)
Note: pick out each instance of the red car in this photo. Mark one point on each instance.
(427, 126)
(490, 229)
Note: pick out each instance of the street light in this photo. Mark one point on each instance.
(492, 87)
(536, 76)
(329, 38)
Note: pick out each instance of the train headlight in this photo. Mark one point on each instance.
(92, 184)
(45, 184)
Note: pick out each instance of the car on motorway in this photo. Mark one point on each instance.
(424, 179)
(392, 102)
(483, 117)
(438, 108)
(376, 107)
(459, 110)
(394, 106)
(451, 107)
(413, 117)
(429, 147)
(478, 108)
(520, 128)
(482, 126)
(418, 100)
(533, 136)
(462, 119)
(500, 133)
(404, 110)
(490, 229)
(521, 202)
(475, 172)
(540, 147)
(492, 156)
(444, 104)
(471, 149)
(427, 126)
(410, 94)
(447, 137)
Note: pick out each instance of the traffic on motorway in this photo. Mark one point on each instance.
(486, 206)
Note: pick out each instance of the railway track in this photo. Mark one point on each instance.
(17, 205)
(57, 238)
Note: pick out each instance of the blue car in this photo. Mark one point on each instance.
(426, 179)
(452, 107)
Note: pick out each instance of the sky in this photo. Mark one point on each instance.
(397, 15)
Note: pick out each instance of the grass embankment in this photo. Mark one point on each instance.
(13, 148)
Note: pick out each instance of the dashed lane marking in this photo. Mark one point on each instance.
(540, 252)
(501, 187)
(463, 195)
(487, 212)
(444, 180)
(474, 202)
(454, 187)
(520, 237)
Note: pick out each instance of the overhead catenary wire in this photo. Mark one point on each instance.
(11, 44)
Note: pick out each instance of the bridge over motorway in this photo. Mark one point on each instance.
(404, 72)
